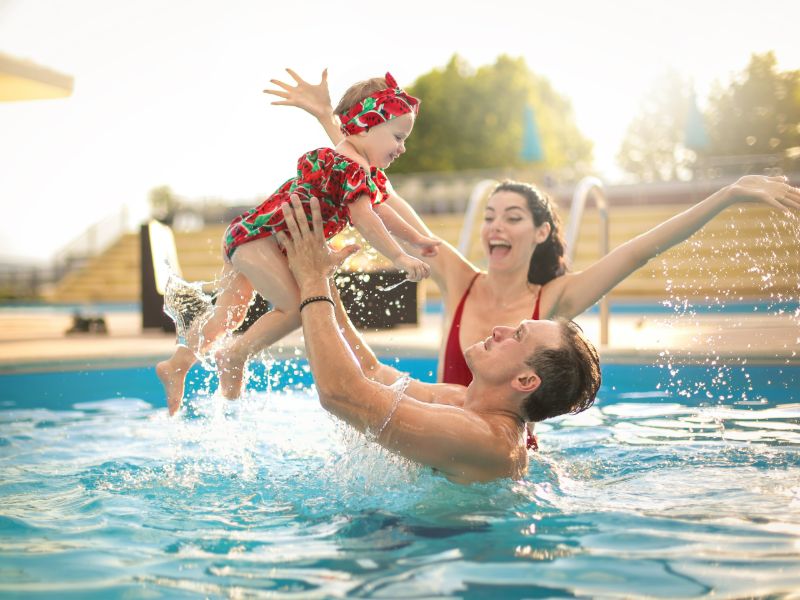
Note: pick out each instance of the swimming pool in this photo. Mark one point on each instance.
(680, 482)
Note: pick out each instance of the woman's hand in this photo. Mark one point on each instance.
(314, 99)
(775, 191)
(310, 258)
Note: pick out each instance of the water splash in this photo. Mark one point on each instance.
(717, 271)
(187, 305)
(389, 288)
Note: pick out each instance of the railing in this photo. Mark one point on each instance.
(27, 280)
(91, 242)
(23, 280)
(590, 186)
(479, 192)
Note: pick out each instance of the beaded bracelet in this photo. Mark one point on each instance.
(311, 299)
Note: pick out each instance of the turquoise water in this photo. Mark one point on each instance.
(435, 307)
(677, 484)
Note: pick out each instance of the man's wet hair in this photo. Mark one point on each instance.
(570, 376)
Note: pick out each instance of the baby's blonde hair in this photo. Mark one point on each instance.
(357, 92)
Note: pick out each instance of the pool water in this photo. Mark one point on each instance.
(678, 483)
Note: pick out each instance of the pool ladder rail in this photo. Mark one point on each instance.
(588, 187)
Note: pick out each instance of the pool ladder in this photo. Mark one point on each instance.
(588, 187)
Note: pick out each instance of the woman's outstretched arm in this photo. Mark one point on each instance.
(578, 291)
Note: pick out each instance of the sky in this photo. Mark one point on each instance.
(170, 93)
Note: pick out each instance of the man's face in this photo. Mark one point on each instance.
(385, 142)
(502, 357)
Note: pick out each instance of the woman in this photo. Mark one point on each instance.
(521, 235)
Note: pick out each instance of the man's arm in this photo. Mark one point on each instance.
(459, 443)
(371, 367)
(463, 445)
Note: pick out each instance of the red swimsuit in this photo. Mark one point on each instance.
(455, 367)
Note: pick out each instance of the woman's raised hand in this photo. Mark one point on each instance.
(775, 191)
(312, 98)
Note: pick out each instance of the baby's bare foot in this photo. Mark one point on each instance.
(231, 372)
(172, 379)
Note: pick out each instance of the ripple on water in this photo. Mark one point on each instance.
(272, 496)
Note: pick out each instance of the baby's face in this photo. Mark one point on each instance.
(385, 142)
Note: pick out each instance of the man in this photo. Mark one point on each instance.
(538, 370)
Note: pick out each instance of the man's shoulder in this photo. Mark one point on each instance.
(451, 394)
(499, 453)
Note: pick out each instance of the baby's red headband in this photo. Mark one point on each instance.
(379, 107)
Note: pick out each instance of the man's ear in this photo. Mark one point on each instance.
(527, 382)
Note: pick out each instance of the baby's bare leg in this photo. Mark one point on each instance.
(266, 268)
(230, 309)
(229, 312)
(172, 373)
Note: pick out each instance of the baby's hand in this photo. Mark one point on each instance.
(428, 246)
(415, 269)
(314, 99)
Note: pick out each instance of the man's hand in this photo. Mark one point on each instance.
(310, 258)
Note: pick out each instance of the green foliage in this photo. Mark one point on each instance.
(163, 202)
(759, 113)
(653, 145)
(474, 119)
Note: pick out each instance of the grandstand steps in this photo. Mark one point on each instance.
(747, 252)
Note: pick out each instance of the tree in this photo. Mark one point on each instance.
(653, 148)
(163, 203)
(758, 113)
(473, 119)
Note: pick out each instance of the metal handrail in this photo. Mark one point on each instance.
(94, 240)
(590, 186)
(475, 198)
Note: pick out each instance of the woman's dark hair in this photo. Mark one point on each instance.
(570, 376)
(548, 260)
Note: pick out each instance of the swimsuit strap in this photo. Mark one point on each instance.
(455, 369)
(457, 317)
(535, 316)
(460, 308)
(530, 438)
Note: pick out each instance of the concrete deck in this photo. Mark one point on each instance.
(33, 340)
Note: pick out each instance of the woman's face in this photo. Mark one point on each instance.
(509, 235)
